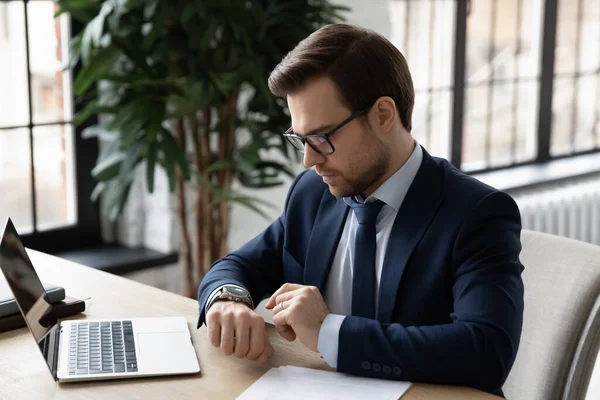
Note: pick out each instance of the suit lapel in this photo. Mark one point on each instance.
(418, 208)
(324, 239)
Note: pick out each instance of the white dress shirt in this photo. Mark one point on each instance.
(338, 293)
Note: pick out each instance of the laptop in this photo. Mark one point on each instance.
(85, 350)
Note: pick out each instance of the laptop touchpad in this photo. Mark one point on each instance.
(165, 351)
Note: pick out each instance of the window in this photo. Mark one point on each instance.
(419, 25)
(501, 83)
(45, 181)
(576, 97)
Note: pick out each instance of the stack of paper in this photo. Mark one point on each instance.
(289, 383)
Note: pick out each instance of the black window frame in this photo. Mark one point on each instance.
(544, 117)
(86, 232)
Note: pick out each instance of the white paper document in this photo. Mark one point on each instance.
(290, 383)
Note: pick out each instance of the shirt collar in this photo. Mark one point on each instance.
(393, 191)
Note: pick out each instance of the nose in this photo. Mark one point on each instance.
(311, 157)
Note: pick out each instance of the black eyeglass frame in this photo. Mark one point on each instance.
(305, 139)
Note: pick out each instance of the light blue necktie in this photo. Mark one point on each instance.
(365, 246)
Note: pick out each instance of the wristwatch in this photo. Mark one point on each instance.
(230, 292)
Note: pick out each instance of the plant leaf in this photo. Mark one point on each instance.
(120, 201)
(109, 167)
(93, 32)
(103, 62)
(150, 165)
(84, 114)
(81, 10)
(169, 165)
(100, 132)
(172, 148)
(219, 166)
(162, 60)
(150, 8)
(98, 189)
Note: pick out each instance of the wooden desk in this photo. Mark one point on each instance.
(24, 375)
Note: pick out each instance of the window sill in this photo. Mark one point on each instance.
(118, 259)
(528, 176)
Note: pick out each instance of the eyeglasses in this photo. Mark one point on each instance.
(320, 142)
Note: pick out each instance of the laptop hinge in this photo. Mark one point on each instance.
(55, 350)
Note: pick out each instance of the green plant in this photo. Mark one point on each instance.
(182, 84)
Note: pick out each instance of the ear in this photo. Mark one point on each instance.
(385, 111)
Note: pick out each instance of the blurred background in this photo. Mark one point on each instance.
(507, 90)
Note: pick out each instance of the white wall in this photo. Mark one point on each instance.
(372, 14)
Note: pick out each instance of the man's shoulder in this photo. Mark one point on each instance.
(465, 197)
(462, 187)
(307, 189)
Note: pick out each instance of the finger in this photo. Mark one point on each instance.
(242, 336)
(227, 339)
(283, 300)
(286, 332)
(287, 287)
(279, 308)
(283, 317)
(263, 357)
(214, 332)
(257, 340)
(287, 296)
(267, 352)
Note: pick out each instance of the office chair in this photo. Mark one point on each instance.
(561, 326)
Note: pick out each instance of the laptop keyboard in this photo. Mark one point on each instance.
(101, 348)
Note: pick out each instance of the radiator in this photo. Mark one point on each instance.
(571, 209)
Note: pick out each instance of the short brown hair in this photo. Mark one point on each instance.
(362, 63)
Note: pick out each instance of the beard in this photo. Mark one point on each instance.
(358, 182)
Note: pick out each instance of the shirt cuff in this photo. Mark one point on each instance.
(329, 338)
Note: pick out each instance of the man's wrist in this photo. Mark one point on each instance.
(209, 301)
(241, 295)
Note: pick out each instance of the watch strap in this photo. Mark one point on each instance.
(215, 296)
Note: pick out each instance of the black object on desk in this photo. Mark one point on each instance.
(8, 305)
(66, 308)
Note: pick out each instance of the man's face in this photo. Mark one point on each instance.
(360, 158)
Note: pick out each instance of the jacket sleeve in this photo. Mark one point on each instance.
(256, 266)
(479, 346)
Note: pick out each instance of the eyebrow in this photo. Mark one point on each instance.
(314, 131)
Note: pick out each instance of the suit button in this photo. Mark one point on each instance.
(366, 365)
(397, 371)
(387, 369)
(376, 367)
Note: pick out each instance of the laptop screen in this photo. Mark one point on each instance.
(28, 291)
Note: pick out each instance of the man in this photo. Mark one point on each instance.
(388, 262)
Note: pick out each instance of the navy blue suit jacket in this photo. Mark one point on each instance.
(451, 294)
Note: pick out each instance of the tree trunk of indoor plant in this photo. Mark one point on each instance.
(184, 245)
(211, 221)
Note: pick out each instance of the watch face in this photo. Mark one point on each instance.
(236, 291)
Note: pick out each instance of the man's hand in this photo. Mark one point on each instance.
(298, 311)
(237, 329)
